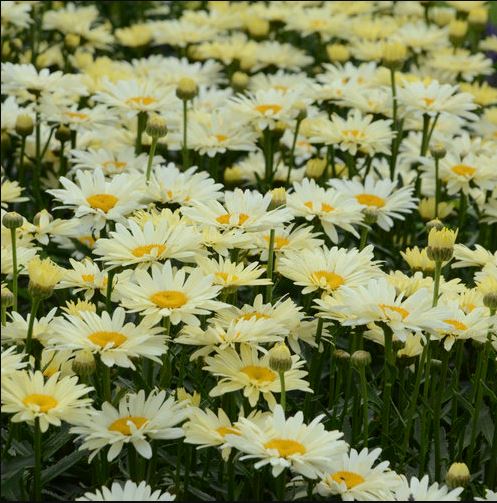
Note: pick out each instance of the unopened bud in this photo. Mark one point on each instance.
(37, 217)
(72, 41)
(280, 358)
(302, 110)
(434, 224)
(341, 354)
(457, 31)
(394, 54)
(12, 220)
(278, 197)
(6, 142)
(258, 28)
(24, 125)
(338, 53)
(478, 17)
(438, 151)
(187, 89)
(239, 81)
(63, 133)
(233, 174)
(7, 297)
(441, 244)
(360, 358)
(84, 363)
(458, 475)
(490, 301)
(315, 167)
(279, 130)
(156, 126)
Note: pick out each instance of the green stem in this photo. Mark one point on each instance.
(108, 295)
(280, 486)
(437, 186)
(436, 280)
(151, 154)
(35, 302)
(37, 486)
(283, 390)
(268, 151)
(393, 159)
(141, 122)
(364, 237)
(13, 237)
(270, 263)
(455, 389)
(186, 162)
(62, 159)
(36, 177)
(164, 371)
(387, 383)
(4, 316)
(365, 412)
(22, 174)
(291, 163)
(426, 125)
(438, 406)
(463, 205)
(231, 476)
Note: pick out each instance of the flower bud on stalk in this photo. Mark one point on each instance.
(280, 358)
(458, 475)
(187, 89)
(441, 244)
(12, 220)
(24, 125)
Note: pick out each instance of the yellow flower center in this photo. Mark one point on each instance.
(281, 87)
(43, 402)
(463, 170)
(332, 280)
(326, 207)
(225, 218)
(141, 100)
(116, 164)
(220, 137)
(227, 430)
(88, 241)
(259, 374)
(353, 134)
(227, 277)
(121, 425)
(104, 337)
(255, 314)
(428, 101)
(370, 200)
(309, 204)
(351, 479)
(77, 115)
(263, 109)
(104, 202)
(458, 325)
(169, 299)
(148, 249)
(285, 447)
(88, 277)
(318, 23)
(400, 310)
(279, 241)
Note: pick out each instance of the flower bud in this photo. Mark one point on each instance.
(12, 220)
(43, 276)
(478, 17)
(394, 54)
(280, 358)
(427, 208)
(278, 197)
(7, 297)
(233, 174)
(360, 359)
(193, 399)
(441, 244)
(457, 31)
(6, 142)
(39, 215)
(84, 364)
(258, 28)
(156, 126)
(24, 125)
(490, 301)
(338, 53)
(438, 151)
(278, 130)
(434, 224)
(63, 133)
(371, 214)
(72, 41)
(340, 354)
(458, 475)
(239, 81)
(315, 167)
(187, 89)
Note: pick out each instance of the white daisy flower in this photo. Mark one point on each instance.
(16, 329)
(28, 396)
(383, 196)
(421, 490)
(251, 373)
(97, 200)
(143, 246)
(11, 361)
(11, 193)
(355, 478)
(136, 421)
(307, 449)
(129, 492)
(116, 341)
(167, 292)
(85, 276)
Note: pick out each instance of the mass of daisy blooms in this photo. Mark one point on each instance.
(249, 251)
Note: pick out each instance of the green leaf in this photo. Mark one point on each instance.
(61, 466)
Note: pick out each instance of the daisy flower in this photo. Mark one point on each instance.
(434, 98)
(253, 331)
(143, 246)
(332, 207)
(130, 491)
(356, 133)
(170, 185)
(16, 329)
(11, 361)
(136, 421)
(11, 193)
(247, 210)
(251, 373)
(383, 196)
(96, 199)
(479, 257)
(134, 96)
(222, 242)
(328, 269)
(28, 396)
(231, 274)
(421, 490)
(85, 276)
(307, 449)
(377, 301)
(167, 292)
(355, 478)
(116, 341)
